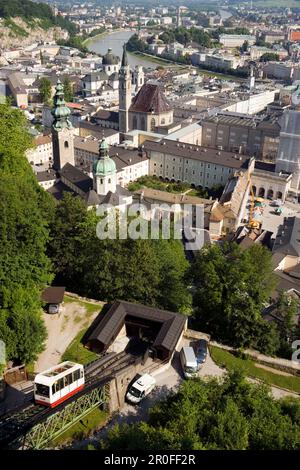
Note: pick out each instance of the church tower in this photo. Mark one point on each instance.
(124, 93)
(104, 171)
(62, 131)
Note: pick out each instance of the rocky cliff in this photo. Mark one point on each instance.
(16, 32)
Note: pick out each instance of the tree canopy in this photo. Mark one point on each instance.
(24, 267)
(214, 415)
(231, 289)
(28, 10)
(45, 90)
(147, 271)
(68, 90)
(269, 56)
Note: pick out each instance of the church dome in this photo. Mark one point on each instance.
(104, 167)
(110, 59)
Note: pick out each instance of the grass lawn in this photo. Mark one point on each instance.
(76, 352)
(82, 428)
(90, 307)
(230, 361)
(155, 183)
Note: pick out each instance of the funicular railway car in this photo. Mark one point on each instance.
(58, 383)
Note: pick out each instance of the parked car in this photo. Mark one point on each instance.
(188, 362)
(201, 352)
(140, 388)
(53, 308)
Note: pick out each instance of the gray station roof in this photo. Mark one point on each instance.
(172, 324)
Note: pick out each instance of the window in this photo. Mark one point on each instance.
(70, 379)
(143, 126)
(163, 121)
(134, 123)
(101, 181)
(66, 144)
(42, 390)
(109, 181)
(76, 375)
(152, 124)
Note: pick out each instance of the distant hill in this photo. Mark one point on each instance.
(34, 14)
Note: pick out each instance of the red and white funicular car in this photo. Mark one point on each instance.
(58, 383)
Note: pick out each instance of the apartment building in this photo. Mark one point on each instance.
(220, 61)
(42, 152)
(273, 36)
(236, 40)
(242, 133)
(199, 166)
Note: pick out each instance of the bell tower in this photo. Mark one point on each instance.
(62, 131)
(124, 93)
(104, 171)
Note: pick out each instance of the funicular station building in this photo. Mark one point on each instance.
(153, 332)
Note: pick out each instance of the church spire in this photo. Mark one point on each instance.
(124, 57)
(60, 112)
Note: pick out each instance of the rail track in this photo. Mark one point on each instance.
(97, 373)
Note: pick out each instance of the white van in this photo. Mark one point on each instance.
(140, 388)
(188, 362)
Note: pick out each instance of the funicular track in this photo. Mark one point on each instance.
(32, 426)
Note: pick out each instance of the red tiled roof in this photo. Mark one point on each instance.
(150, 99)
(43, 139)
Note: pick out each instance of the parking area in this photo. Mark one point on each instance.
(270, 220)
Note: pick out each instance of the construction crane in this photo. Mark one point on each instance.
(252, 223)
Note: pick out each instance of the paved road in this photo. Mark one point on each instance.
(167, 381)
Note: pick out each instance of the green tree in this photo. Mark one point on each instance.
(286, 309)
(230, 414)
(68, 90)
(269, 56)
(230, 291)
(152, 272)
(24, 267)
(45, 90)
(245, 46)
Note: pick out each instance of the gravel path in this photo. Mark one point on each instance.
(62, 329)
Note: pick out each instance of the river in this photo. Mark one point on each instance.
(115, 41)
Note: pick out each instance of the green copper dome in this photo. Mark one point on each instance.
(60, 112)
(104, 165)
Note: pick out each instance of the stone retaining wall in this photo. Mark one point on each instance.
(84, 299)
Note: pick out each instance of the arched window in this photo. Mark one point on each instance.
(152, 124)
(254, 190)
(134, 123)
(66, 144)
(143, 125)
(261, 192)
